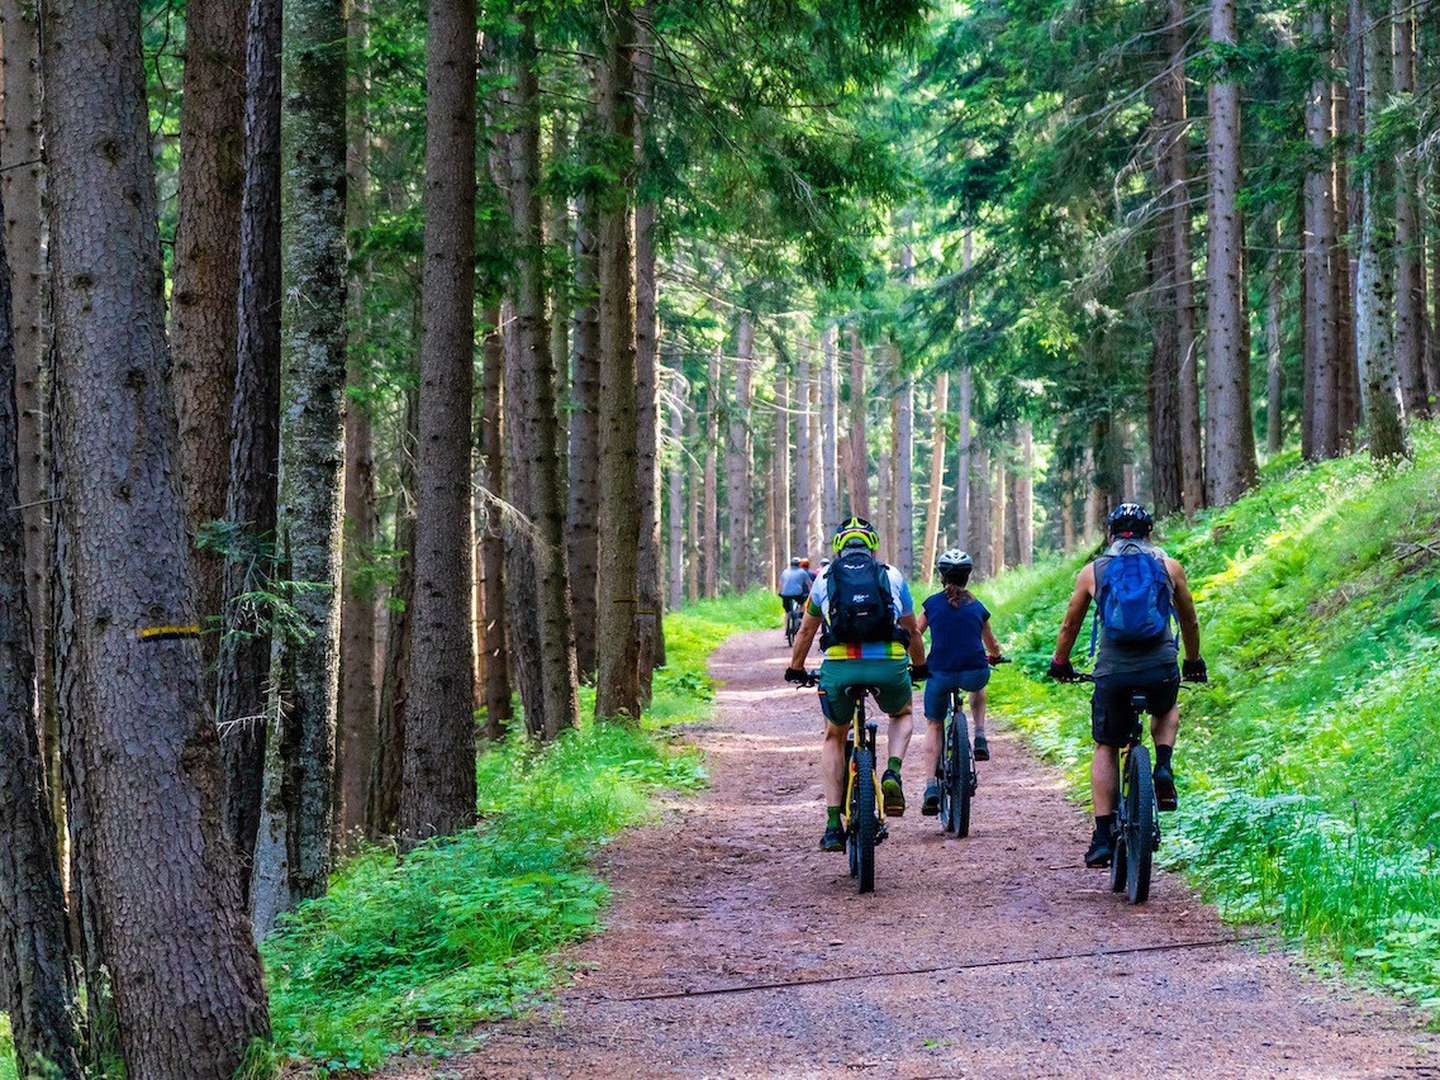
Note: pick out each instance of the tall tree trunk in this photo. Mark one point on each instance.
(737, 458)
(22, 181)
(904, 488)
(1025, 495)
(1375, 331)
(1320, 348)
(857, 464)
(144, 747)
(965, 535)
(648, 593)
(382, 807)
(804, 526)
(244, 670)
(1350, 394)
(355, 743)
(437, 797)
(885, 479)
(829, 428)
(981, 545)
(934, 502)
(492, 542)
(617, 687)
(1409, 242)
(560, 246)
(205, 289)
(693, 500)
(1177, 175)
(37, 987)
(1166, 450)
(1274, 365)
(583, 509)
(780, 471)
(536, 440)
(1230, 468)
(292, 852)
(676, 520)
(712, 480)
(999, 496)
(1341, 255)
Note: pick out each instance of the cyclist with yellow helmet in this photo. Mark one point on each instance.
(870, 639)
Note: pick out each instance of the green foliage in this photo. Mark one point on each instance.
(1311, 781)
(410, 954)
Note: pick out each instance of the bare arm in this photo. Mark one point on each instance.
(922, 622)
(992, 643)
(1185, 610)
(1075, 613)
(809, 625)
(917, 642)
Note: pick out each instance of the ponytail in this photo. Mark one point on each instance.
(956, 592)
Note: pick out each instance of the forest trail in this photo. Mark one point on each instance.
(729, 891)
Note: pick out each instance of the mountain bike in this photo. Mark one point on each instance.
(958, 776)
(792, 622)
(1137, 824)
(863, 810)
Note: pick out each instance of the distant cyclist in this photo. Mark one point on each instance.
(962, 648)
(870, 639)
(1137, 588)
(794, 585)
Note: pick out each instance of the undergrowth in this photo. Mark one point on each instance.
(410, 955)
(1310, 774)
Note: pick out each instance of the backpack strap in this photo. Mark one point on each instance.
(1095, 614)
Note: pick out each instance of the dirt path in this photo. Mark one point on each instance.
(730, 892)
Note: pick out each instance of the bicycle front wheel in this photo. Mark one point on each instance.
(1139, 825)
(864, 822)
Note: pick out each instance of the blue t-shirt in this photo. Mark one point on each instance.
(955, 643)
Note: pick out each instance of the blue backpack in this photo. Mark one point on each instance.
(1132, 598)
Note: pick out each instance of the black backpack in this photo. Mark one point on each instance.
(860, 607)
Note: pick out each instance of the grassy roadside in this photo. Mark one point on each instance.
(410, 956)
(1310, 771)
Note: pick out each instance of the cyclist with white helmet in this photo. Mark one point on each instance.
(962, 649)
(870, 640)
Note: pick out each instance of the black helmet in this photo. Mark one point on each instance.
(1130, 520)
(954, 566)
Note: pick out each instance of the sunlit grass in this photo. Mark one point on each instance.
(1310, 771)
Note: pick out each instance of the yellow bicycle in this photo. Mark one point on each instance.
(863, 811)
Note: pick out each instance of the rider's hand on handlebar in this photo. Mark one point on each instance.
(919, 673)
(1063, 672)
(1194, 671)
(799, 676)
(996, 661)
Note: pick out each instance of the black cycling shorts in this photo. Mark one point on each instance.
(1111, 718)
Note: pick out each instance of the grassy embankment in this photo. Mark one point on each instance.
(1310, 767)
(412, 955)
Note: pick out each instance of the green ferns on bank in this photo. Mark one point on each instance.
(409, 955)
(1310, 768)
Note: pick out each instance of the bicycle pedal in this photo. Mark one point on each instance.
(881, 833)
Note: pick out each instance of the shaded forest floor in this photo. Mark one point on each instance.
(997, 955)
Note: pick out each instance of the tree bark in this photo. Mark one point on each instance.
(934, 503)
(206, 284)
(780, 471)
(1351, 404)
(1375, 333)
(829, 427)
(492, 543)
(857, 463)
(694, 498)
(904, 486)
(1177, 170)
(1320, 348)
(712, 444)
(382, 807)
(561, 247)
(1274, 366)
(583, 511)
(1230, 468)
(965, 534)
(292, 858)
(1409, 242)
(535, 442)
(37, 987)
(676, 520)
(244, 667)
(1167, 459)
(999, 496)
(143, 749)
(437, 796)
(980, 537)
(648, 603)
(1025, 495)
(1342, 256)
(804, 525)
(355, 744)
(737, 459)
(617, 687)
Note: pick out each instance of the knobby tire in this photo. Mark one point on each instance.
(1139, 826)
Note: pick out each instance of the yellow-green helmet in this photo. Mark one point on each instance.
(853, 532)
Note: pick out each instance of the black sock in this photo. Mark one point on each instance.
(1162, 756)
(1104, 823)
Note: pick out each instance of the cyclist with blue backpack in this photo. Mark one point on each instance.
(1137, 590)
(870, 639)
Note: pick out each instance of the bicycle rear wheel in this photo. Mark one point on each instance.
(864, 823)
(1139, 825)
(959, 770)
